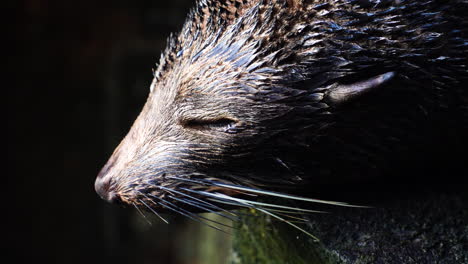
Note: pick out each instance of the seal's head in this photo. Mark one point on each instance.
(250, 91)
(216, 96)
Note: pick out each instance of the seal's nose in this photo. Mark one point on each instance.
(103, 189)
(102, 185)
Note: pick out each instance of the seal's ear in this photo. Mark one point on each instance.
(340, 93)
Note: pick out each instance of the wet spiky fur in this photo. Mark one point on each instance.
(239, 98)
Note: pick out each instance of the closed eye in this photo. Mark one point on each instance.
(222, 123)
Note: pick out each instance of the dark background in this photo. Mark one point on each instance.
(81, 73)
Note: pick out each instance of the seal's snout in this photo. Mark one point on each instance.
(103, 186)
(103, 189)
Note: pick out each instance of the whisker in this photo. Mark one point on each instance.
(266, 208)
(185, 213)
(221, 199)
(204, 208)
(141, 213)
(196, 199)
(289, 223)
(263, 210)
(198, 216)
(229, 203)
(265, 192)
(279, 206)
(152, 210)
(204, 193)
(288, 215)
(266, 211)
(214, 221)
(291, 209)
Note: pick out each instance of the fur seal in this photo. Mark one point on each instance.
(259, 98)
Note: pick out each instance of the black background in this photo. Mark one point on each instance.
(81, 73)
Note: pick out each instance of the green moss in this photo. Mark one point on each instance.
(214, 246)
(429, 229)
(260, 239)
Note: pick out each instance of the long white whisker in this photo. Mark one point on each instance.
(278, 206)
(196, 215)
(196, 199)
(183, 212)
(141, 213)
(202, 207)
(289, 223)
(152, 210)
(260, 203)
(229, 203)
(263, 210)
(264, 192)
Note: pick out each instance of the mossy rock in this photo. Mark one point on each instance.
(425, 229)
